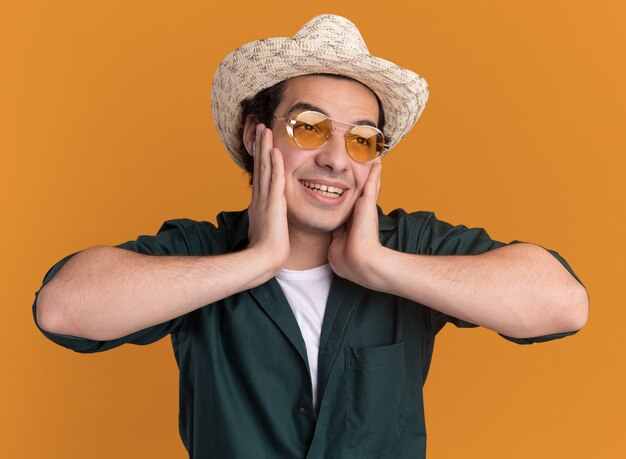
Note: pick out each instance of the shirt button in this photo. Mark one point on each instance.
(302, 409)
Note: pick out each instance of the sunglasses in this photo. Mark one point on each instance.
(310, 129)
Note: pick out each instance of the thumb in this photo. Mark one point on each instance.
(337, 233)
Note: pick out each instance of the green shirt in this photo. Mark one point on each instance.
(245, 388)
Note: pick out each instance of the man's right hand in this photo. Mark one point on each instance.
(268, 231)
(104, 293)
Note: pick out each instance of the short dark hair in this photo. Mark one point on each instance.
(262, 107)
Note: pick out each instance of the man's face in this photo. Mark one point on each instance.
(310, 209)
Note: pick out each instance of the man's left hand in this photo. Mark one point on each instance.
(355, 247)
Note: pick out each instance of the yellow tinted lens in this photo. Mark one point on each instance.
(311, 129)
(364, 143)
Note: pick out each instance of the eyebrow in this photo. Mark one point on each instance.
(301, 106)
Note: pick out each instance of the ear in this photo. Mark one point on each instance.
(249, 134)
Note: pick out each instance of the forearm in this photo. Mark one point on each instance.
(104, 293)
(518, 290)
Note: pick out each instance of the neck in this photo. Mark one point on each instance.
(308, 250)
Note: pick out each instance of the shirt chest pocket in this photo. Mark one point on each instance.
(375, 386)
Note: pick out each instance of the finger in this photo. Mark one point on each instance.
(372, 185)
(265, 167)
(256, 149)
(277, 187)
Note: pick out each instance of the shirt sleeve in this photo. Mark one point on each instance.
(171, 239)
(440, 238)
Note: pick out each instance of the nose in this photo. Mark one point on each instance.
(333, 155)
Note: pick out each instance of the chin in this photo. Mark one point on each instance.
(317, 223)
(315, 227)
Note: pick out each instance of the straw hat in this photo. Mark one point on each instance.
(325, 44)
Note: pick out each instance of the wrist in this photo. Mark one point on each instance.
(265, 260)
(374, 271)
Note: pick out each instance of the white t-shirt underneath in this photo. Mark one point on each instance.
(307, 293)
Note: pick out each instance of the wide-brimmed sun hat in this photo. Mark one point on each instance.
(325, 44)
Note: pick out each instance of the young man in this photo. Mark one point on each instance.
(304, 326)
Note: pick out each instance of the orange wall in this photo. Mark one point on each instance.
(106, 131)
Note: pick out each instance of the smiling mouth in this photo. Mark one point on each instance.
(324, 190)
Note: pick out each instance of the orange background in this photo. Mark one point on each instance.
(106, 131)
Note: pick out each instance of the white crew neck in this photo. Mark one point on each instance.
(305, 274)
